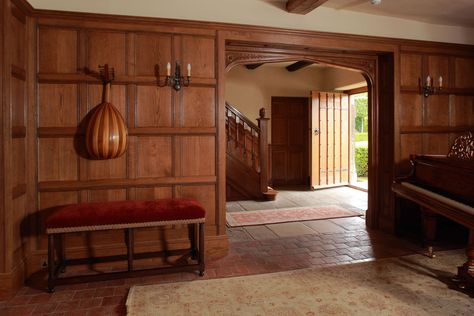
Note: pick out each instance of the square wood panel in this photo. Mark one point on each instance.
(58, 105)
(107, 195)
(18, 154)
(106, 48)
(436, 144)
(18, 220)
(439, 66)
(154, 156)
(198, 107)
(197, 155)
(154, 107)
(17, 42)
(464, 68)
(152, 50)
(200, 53)
(409, 144)
(411, 110)
(462, 110)
(107, 169)
(205, 194)
(154, 193)
(411, 64)
(57, 159)
(50, 199)
(57, 50)
(437, 110)
(17, 102)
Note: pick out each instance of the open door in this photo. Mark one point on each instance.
(330, 143)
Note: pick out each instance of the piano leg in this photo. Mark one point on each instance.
(466, 271)
(429, 230)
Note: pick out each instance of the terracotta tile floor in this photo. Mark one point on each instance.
(251, 252)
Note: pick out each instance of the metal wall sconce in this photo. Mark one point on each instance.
(177, 80)
(429, 89)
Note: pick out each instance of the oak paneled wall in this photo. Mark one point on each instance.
(17, 161)
(172, 134)
(428, 125)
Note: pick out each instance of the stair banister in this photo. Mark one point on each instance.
(263, 146)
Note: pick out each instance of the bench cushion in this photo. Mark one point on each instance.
(123, 214)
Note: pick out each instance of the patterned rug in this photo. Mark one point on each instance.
(283, 215)
(411, 285)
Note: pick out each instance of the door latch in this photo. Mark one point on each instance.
(316, 131)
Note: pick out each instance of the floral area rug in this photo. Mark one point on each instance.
(293, 214)
(411, 285)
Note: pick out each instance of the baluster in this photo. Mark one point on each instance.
(244, 156)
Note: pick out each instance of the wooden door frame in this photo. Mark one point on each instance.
(308, 140)
(378, 69)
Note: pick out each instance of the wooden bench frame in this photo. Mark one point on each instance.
(54, 269)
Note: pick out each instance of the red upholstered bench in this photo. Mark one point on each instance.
(125, 215)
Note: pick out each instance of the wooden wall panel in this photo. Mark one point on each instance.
(18, 109)
(439, 66)
(410, 144)
(411, 109)
(197, 155)
(200, 53)
(19, 162)
(57, 159)
(57, 50)
(17, 44)
(106, 195)
(436, 144)
(154, 107)
(106, 48)
(464, 69)
(154, 157)
(411, 69)
(152, 49)
(198, 107)
(165, 192)
(107, 169)
(436, 111)
(462, 111)
(58, 105)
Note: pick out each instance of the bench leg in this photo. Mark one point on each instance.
(51, 265)
(62, 255)
(193, 238)
(201, 249)
(130, 246)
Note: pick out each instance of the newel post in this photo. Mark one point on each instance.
(263, 146)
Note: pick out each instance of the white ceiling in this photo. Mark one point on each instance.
(443, 12)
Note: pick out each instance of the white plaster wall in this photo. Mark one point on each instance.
(250, 90)
(269, 13)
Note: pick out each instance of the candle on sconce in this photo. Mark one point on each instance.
(168, 69)
(440, 81)
(189, 70)
(428, 81)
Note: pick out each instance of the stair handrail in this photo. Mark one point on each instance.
(242, 117)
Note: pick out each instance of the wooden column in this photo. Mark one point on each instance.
(466, 271)
(263, 145)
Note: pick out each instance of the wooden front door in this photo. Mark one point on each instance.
(330, 143)
(289, 146)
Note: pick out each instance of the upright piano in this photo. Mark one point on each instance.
(444, 185)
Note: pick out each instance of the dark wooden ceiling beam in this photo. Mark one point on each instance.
(253, 66)
(303, 6)
(298, 65)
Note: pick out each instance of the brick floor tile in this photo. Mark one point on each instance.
(45, 308)
(87, 293)
(113, 300)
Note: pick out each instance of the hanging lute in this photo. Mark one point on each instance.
(106, 133)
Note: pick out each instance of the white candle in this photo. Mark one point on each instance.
(168, 69)
(440, 81)
(428, 81)
(189, 70)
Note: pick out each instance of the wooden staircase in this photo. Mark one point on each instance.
(247, 166)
